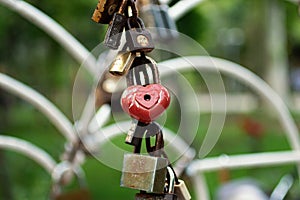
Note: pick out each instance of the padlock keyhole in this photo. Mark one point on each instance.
(147, 97)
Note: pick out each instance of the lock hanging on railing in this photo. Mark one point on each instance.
(137, 36)
(146, 173)
(61, 170)
(122, 63)
(144, 101)
(116, 27)
(143, 172)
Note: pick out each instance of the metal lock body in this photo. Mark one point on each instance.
(181, 191)
(105, 10)
(146, 173)
(137, 37)
(116, 26)
(122, 63)
(144, 102)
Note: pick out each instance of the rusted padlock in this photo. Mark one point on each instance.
(143, 172)
(105, 10)
(137, 36)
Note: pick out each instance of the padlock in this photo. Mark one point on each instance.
(146, 173)
(61, 170)
(181, 191)
(122, 63)
(116, 26)
(137, 36)
(156, 15)
(105, 10)
(145, 102)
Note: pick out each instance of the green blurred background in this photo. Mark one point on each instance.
(238, 30)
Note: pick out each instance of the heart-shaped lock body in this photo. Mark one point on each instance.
(145, 103)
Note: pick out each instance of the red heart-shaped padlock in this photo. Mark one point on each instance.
(145, 103)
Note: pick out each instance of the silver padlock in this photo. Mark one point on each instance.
(182, 191)
(146, 173)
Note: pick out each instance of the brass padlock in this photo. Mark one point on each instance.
(63, 171)
(122, 63)
(181, 191)
(146, 173)
(105, 10)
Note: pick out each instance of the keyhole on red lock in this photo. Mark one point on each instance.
(147, 97)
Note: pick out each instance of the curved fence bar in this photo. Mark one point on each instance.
(182, 7)
(294, 1)
(246, 76)
(55, 30)
(29, 150)
(257, 84)
(244, 161)
(198, 167)
(58, 119)
(101, 117)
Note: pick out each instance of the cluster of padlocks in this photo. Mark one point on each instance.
(144, 99)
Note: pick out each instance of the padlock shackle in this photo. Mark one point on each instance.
(123, 6)
(140, 64)
(154, 69)
(171, 184)
(138, 23)
(158, 148)
(134, 9)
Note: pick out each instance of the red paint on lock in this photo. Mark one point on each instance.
(145, 103)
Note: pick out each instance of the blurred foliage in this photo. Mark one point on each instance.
(231, 29)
